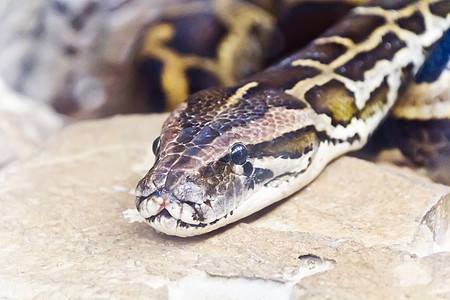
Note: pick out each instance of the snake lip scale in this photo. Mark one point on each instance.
(228, 152)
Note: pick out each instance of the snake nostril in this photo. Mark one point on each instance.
(208, 203)
(172, 179)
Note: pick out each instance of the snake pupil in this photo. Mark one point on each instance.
(238, 154)
(155, 146)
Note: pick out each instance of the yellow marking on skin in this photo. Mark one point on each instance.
(240, 92)
(392, 15)
(353, 49)
(173, 78)
(335, 39)
(377, 100)
(173, 67)
(340, 103)
(295, 144)
(309, 63)
(235, 61)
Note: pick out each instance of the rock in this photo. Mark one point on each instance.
(359, 231)
(24, 125)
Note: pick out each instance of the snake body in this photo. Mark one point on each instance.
(227, 152)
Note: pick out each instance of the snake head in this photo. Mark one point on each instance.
(224, 154)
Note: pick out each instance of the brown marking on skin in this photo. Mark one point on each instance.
(356, 27)
(286, 100)
(284, 76)
(414, 23)
(441, 8)
(334, 100)
(289, 145)
(364, 61)
(323, 53)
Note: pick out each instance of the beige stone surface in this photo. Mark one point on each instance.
(359, 231)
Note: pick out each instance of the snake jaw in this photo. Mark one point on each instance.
(162, 205)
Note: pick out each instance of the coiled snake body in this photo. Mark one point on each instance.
(227, 152)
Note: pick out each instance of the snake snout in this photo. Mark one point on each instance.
(150, 205)
(163, 202)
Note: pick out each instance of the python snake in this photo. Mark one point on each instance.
(227, 152)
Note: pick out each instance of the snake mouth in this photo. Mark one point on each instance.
(163, 211)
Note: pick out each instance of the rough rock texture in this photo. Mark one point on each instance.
(24, 125)
(359, 231)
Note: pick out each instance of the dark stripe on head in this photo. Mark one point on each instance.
(283, 76)
(290, 145)
(276, 98)
(323, 53)
(205, 136)
(281, 99)
(289, 174)
(203, 120)
(198, 34)
(362, 62)
(356, 27)
(261, 175)
(441, 8)
(334, 100)
(414, 23)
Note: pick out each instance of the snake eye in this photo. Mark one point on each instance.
(155, 146)
(238, 154)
